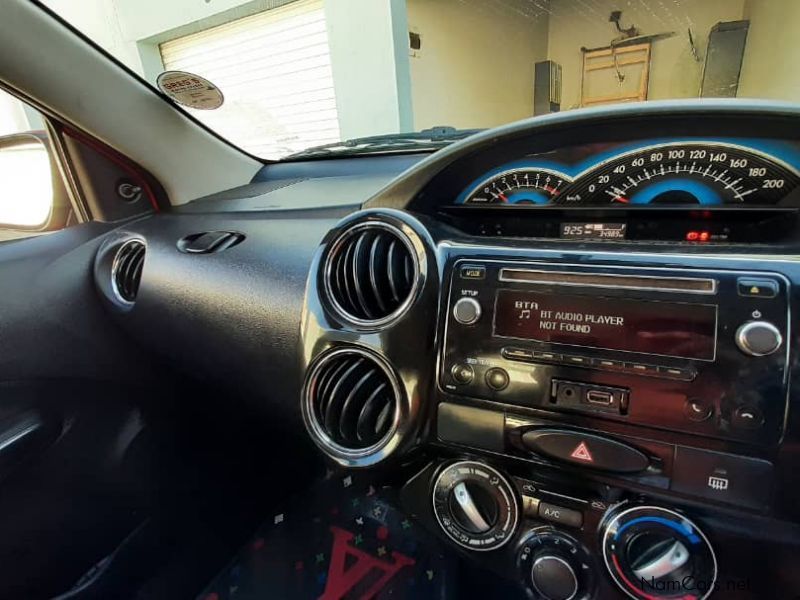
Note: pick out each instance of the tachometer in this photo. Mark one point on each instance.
(678, 174)
(519, 186)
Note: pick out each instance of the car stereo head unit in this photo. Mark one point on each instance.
(678, 329)
(696, 351)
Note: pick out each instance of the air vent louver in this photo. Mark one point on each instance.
(126, 271)
(371, 273)
(351, 400)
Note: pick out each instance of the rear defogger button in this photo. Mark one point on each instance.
(586, 450)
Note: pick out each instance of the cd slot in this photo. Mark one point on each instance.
(602, 280)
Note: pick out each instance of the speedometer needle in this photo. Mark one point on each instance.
(502, 196)
(622, 199)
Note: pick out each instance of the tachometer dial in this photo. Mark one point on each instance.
(685, 174)
(519, 186)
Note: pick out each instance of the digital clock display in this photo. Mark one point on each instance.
(593, 231)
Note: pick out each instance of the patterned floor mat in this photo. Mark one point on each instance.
(343, 539)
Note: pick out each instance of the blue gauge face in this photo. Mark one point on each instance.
(678, 174)
(520, 186)
(701, 174)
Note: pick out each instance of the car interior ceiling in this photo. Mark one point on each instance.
(554, 359)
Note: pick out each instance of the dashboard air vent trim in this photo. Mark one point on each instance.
(352, 405)
(371, 274)
(126, 270)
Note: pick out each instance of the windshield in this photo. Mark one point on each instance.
(301, 77)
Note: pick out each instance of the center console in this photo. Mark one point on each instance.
(589, 424)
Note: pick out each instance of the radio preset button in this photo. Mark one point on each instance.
(682, 373)
(604, 363)
(548, 356)
(641, 369)
(758, 338)
(462, 373)
(517, 354)
(577, 360)
(467, 311)
(497, 379)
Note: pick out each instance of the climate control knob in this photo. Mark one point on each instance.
(555, 566)
(467, 311)
(758, 338)
(653, 552)
(475, 505)
(554, 578)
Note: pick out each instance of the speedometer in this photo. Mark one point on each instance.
(678, 174)
(519, 186)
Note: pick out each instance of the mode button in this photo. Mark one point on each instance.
(473, 272)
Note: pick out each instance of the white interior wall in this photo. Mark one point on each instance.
(771, 67)
(475, 66)
(674, 71)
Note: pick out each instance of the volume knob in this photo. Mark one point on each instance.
(758, 338)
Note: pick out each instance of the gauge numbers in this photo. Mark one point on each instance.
(521, 186)
(685, 174)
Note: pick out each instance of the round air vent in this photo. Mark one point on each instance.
(126, 270)
(371, 273)
(351, 403)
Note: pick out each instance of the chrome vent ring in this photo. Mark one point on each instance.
(351, 404)
(371, 273)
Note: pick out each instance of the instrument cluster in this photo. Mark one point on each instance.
(685, 173)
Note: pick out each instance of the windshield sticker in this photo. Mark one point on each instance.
(190, 90)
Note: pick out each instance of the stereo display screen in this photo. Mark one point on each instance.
(649, 327)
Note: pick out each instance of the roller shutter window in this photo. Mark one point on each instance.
(274, 69)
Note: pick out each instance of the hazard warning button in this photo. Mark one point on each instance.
(585, 449)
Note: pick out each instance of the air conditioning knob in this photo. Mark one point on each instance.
(653, 552)
(555, 566)
(475, 505)
(758, 338)
(554, 578)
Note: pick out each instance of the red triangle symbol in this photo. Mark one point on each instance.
(581, 452)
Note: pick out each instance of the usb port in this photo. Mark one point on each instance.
(599, 397)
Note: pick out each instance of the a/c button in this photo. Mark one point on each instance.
(560, 515)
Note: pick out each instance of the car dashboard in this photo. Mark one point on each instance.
(568, 341)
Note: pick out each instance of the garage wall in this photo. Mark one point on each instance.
(674, 71)
(475, 66)
(772, 55)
